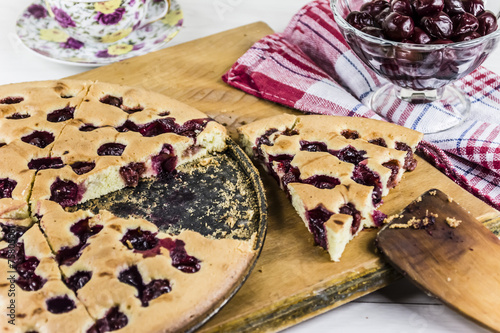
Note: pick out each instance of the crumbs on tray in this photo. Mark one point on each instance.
(453, 222)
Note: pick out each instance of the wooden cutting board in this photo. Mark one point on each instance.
(293, 280)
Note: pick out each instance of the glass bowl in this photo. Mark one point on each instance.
(418, 73)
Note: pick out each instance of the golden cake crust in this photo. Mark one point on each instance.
(97, 138)
(325, 162)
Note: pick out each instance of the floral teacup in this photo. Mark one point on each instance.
(104, 21)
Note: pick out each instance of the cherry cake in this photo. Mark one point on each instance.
(335, 170)
(65, 142)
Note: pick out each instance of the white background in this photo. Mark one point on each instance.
(395, 309)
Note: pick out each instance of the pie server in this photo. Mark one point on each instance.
(458, 265)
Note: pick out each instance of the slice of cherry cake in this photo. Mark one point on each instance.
(129, 275)
(336, 170)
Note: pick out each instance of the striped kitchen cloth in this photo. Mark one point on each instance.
(310, 67)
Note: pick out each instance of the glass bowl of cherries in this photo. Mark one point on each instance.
(420, 47)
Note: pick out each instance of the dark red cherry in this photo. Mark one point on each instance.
(359, 20)
(155, 289)
(16, 116)
(78, 280)
(81, 229)
(453, 7)
(112, 100)
(60, 304)
(25, 267)
(165, 162)
(148, 292)
(11, 100)
(264, 140)
(128, 126)
(402, 7)
(313, 146)
(316, 219)
(487, 23)
(132, 109)
(394, 167)
(65, 193)
(132, 172)
(6, 187)
(378, 217)
(81, 168)
(87, 128)
(379, 142)
(11, 233)
(475, 7)
(157, 127)
(112, 321)
(380, 18)
(364, 176)
(349, 134)
(349, 209)
(428, 7)
(374, 7)
(398, 27)
(410, 161)
(46, 163)
(441, 41)
(111, 149)
(192, 127)
(464, 23)
(467, 37)
(350, 154)
(60, 115)
(40, 139)
(438, 26)
(322, 181)
(374, 31)
(180, 259)
(420, 37)
(140, 240)
(291, 176)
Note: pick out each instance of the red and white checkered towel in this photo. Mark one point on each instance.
(310, 67)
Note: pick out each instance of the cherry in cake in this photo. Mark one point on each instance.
(6, 187)
(78, 280)
(83, 230)
(40, 139)
(146, 292)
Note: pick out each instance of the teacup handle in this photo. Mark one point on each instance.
(156, 17)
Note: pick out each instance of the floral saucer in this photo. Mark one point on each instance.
(42, 35)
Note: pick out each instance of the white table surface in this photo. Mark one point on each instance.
(398, 308)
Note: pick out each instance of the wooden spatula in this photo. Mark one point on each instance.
(458, 265)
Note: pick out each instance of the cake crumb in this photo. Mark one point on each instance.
(450, 199)
(453, 222)
(434, 192)
(412, 223)
(205, 161)
(389, 219)
(230, 221)
(418, 199)
(399, 226)
(448, 279)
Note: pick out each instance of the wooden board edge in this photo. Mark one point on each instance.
(297, 309)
